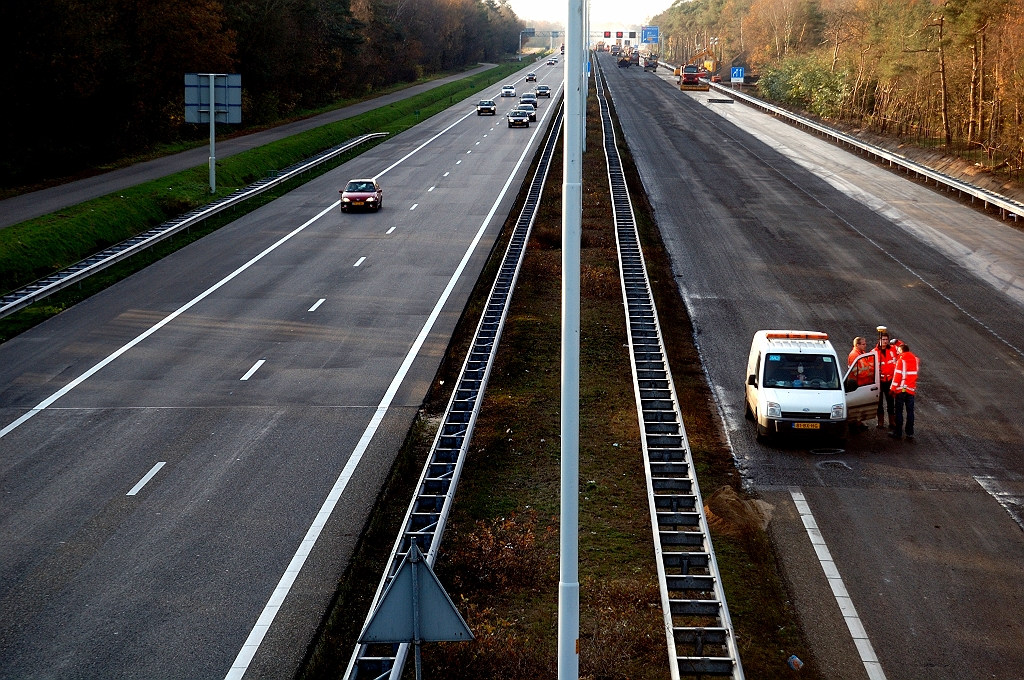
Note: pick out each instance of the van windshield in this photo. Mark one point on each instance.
(801, 371)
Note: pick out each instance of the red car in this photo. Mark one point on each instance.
(362, 193)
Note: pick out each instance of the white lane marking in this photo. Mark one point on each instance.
(255, 367)
(458, 162)
(470, 151)
(1010, 503)
(41, 406)
(484, 136)
(390, 230)
(259, 631)
(430, 189)
(408, 155)
(414, 206)
(446, 174)
(478, 143)
(835, 581)
(318, 303)
(145, 480)
(359, 261)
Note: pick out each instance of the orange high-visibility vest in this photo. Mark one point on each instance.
(905, 377)
(886, 362)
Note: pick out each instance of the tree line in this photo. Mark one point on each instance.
(941, 72)
(92, 81)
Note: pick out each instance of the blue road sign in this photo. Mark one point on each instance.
(737, 74)
(649, 35)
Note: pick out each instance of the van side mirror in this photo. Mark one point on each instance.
(752, 380)
(850, 385)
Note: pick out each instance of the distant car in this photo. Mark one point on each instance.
(530, 109)
(518, 118)
(362, 193)
(543, 91)
(529, 98)
(552, 61)
(508, 90)
(716, 78)
(531, 77)
(486, 106)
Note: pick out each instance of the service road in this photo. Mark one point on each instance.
(198, 447)
(769, 227)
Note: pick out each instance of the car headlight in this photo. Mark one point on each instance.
(774, 410)
(345, 200)
(838, 411)
(371, 199)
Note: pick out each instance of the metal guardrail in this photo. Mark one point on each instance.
(427, 515)
(1007, 206)
(37, 290)
(693, 602)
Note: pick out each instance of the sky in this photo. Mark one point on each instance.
(604, 14)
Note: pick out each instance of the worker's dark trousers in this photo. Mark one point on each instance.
(886, 401)
(904, 399)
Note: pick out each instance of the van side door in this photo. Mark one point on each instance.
(862, 385)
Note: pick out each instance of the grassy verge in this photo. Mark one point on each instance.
(499, 557)
(38, 247)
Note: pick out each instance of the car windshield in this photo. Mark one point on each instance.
(801, 371)
(525, 107)
(360, 186)
(486, 102)
(690, 69)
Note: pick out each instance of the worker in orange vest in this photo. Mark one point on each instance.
(904, 387)
(863, 373)
(886, 354)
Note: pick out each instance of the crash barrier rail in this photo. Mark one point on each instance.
(1007, 206)
(700, 635)
(427, 515)
(37, 290)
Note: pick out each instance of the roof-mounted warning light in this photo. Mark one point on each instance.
(796, 335)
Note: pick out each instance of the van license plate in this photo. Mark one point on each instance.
(807, 426)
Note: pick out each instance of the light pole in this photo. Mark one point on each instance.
(572, 218)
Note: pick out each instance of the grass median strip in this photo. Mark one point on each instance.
(38, 247)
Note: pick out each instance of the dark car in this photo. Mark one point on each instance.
(486, 106)
(543, 91)
(517, 118)
(531, 77)
(530, 109)
(529, 98)
(362, 193)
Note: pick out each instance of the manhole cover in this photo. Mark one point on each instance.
(828, 464)
(827, 452)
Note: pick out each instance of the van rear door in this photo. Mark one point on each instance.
(863, 387)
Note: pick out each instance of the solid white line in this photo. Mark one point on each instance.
(318, 303)
(145, 480)
(1006, 499)
(359, 261)
(430, 189)
(259, 631)
(41, 406)
(390, 230)
(255, 367)
(414, 206)
(835, 581)
(400, 160)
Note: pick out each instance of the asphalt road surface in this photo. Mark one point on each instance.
(771, 228)
(26, 206)
(197, 471)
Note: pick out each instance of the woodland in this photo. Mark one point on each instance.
(93, 81)
(939, 73)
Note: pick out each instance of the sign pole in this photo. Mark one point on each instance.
(213, 137)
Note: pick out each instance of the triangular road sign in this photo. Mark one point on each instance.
(415, 608)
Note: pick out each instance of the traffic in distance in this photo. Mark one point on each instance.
(523, 113)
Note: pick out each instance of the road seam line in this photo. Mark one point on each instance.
(991, 486)
(41, 406)
(266, 617)
(145, 480)
(835, 582)
(255, 367)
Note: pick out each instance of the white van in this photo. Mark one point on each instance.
(797, 385)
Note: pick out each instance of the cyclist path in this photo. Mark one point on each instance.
(26, 206)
